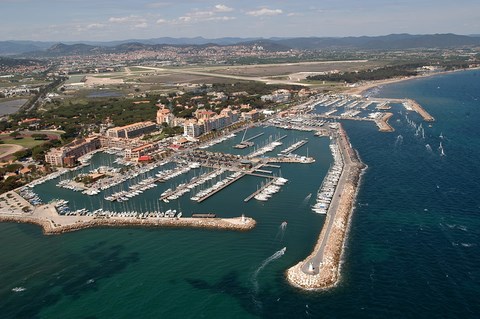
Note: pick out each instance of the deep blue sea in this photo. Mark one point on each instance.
(413, 249)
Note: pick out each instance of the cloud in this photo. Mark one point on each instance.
(161, 21)
(95, 26)
(91, 26)
(158, 4)
(141, 25)
(207, 15)
(128, 19)
(222, 8)
(135, 22)
(265, 12)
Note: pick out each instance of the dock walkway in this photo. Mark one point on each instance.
(230, 182)
(259, 190)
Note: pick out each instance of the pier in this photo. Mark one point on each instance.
(267, 148)
(253, 137)
(272, 165)
(183, 189)
(382, 123)
(230, 182)
(247, 143)
(259, 190)
(409, 104)
(263, 171)
(321, 269)
(294, 147)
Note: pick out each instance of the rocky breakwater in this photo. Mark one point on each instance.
(51, 228)
(382, 123)
(321, 269)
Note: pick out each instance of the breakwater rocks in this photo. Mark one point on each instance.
(321, 269)
(382, 123)
(328, 271)
(51, 228)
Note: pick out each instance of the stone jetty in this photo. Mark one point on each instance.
(13, 208)
(51, 228)
(321, 269)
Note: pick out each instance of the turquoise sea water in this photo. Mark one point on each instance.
(413, 249)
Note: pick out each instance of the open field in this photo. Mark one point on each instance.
(161, 79)
(292, 68)
(280, 73)
(27, 141)
(75, 78)
(6, 150)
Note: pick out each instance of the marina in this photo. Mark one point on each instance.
(410, 221)
(117, 190)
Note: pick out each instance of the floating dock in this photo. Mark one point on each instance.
(220, 188)
(259, 190)
(253, 137)
(247, 143)
(294, 147)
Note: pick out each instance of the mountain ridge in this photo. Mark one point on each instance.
(385, 42)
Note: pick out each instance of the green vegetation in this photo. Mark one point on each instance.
(368, 75)
(77, 116)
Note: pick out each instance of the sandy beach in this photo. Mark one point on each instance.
(365, 86)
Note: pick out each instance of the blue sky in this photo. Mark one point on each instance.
(103, 20)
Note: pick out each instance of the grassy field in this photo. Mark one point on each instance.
(27, 142)
(75, 78)
(138, 69)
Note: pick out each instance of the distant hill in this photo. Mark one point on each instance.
(72, 49)
(18, 47)
(387, 42)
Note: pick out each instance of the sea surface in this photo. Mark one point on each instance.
(413, 249)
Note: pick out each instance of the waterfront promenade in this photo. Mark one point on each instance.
(321, 269)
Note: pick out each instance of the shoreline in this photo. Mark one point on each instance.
(362, 88)
(328, 272)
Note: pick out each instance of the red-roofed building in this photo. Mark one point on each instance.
(145, 158)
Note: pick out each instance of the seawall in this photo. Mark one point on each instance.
(309, 274)
(51, 228)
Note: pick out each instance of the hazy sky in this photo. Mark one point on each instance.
(63, 20)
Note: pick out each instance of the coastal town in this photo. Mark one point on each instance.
(141, 164)
(123, 143)
(239, 159)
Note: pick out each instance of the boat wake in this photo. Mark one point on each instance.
(281, 231)
(19, 289)
(273, 257)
